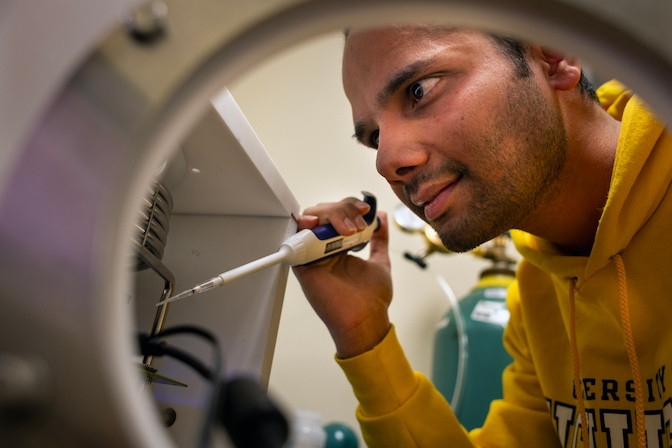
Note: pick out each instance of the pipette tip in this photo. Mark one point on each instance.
(182, 295)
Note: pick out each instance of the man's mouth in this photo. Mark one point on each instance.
(434, 200)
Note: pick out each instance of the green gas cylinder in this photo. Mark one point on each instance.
(484, 316)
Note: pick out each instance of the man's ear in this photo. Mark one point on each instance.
(563, 72)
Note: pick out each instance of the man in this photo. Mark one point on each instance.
(479, 135)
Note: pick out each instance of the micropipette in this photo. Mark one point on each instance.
(304, 247)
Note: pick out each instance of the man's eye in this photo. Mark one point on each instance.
(375, 137)
(418, 90)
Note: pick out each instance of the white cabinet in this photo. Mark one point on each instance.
(230, 206)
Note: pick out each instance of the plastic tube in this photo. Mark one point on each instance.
(462, 343)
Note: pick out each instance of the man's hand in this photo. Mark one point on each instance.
(351, 295)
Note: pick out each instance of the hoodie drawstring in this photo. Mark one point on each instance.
(575, 365)
(630, 348)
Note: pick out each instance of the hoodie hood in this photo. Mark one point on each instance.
(634, 192)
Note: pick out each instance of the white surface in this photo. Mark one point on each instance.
(231, 206)
(219, 178)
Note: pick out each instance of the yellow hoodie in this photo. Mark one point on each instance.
(602, 323)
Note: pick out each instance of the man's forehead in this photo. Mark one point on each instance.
(374, 51)
(364, 46)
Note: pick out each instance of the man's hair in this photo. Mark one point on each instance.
(516, 51)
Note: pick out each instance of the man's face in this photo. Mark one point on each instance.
(464, 142)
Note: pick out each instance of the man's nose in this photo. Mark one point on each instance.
(400, 152)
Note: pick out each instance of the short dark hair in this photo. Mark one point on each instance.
(516, 51)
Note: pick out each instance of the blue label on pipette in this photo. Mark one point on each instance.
(325, 232)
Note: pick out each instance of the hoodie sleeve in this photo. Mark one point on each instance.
(401, 408)
(397, 406)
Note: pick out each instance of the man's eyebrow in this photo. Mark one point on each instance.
(399, 79)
